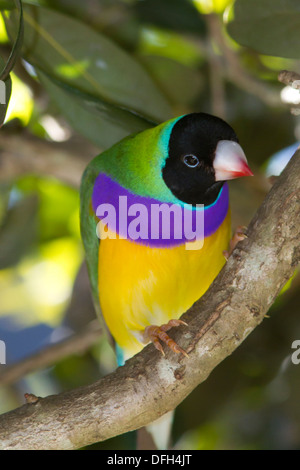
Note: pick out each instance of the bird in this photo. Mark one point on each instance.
(145, 269)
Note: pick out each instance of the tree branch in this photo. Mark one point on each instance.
(150, 385)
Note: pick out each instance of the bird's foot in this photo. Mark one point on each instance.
(155, 333)
(238, 236)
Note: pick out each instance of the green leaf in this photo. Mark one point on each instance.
(18, 231)
(7, 5)
(75, 54)
(177, 15)
(180, 83)
(156, 41)
(269, 26)
(101, 123)
(212, 6)
(17, 45)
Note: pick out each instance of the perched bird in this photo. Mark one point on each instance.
(147, 269)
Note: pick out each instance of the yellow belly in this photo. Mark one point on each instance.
(140, 286)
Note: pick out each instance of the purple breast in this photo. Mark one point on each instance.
(150, 222)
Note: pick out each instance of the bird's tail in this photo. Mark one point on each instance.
(160, 430)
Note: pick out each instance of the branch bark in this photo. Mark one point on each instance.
(149, 385)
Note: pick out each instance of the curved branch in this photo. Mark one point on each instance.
(150, 385)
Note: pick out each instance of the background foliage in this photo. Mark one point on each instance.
(88, 74)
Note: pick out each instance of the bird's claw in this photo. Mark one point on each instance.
(238, 236)
(155, 333)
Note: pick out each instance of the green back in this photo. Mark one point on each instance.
(136, 163)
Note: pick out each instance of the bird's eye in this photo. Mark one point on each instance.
(191, 161)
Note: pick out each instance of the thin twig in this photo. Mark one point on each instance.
(231, 66)
(217, 85)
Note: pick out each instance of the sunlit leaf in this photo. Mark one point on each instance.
(39, 287)
(50, 280)
(156, 41)
(3, 34)
(75, 54)
(268, 26)
(21, 102)
(211, 6)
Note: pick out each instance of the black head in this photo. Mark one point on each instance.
(189, 171)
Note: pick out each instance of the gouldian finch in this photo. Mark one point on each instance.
(145, 276)
(147, 266)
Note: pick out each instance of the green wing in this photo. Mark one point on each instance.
(91, 242)
(88, 224)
